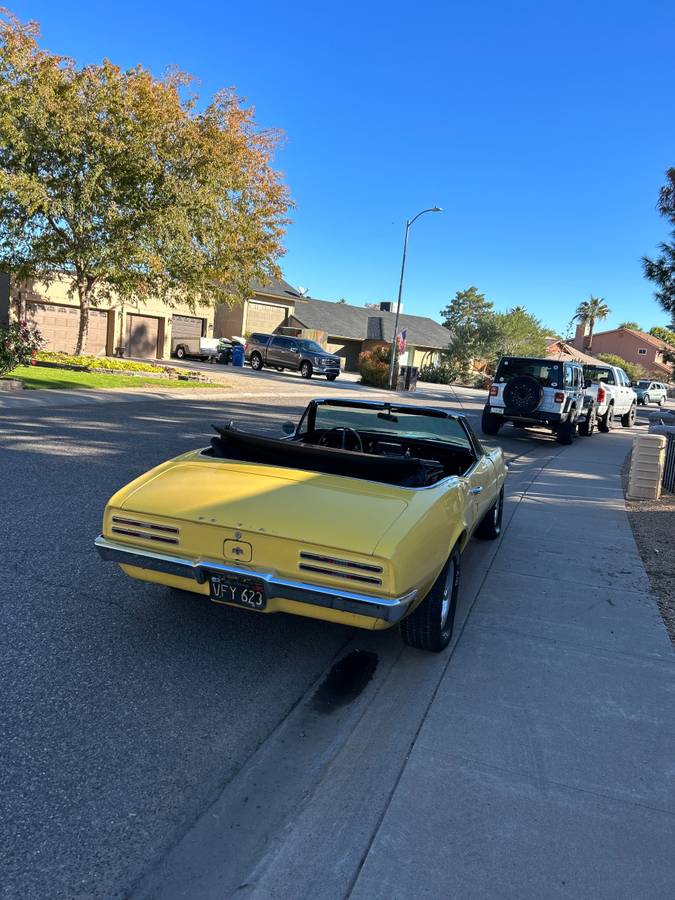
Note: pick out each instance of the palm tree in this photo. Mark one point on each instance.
(591, 311)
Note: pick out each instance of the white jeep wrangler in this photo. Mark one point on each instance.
(538, 391)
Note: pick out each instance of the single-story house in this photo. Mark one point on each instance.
(148, 329)
(634, 346)
(350, 330)
(142, 330)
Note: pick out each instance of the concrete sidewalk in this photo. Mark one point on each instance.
(546, 765)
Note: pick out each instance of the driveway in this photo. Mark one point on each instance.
(128, 711)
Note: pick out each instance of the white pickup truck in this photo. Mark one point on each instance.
(610, 389)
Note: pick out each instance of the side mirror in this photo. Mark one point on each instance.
(288, 428)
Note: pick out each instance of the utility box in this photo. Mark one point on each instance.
(407, 378)
(646, 467)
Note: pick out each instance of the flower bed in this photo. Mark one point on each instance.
(95, 363)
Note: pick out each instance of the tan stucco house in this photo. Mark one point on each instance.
(148, 329)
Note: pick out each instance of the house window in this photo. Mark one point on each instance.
(642, 351)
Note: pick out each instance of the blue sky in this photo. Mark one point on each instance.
(543, 128)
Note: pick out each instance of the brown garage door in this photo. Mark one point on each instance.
(187, 327)
(264, 316)
(143, 336)
(59, 326)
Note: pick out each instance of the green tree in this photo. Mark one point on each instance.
(632, 325)
(589, 312)
(117, 180)
(662, 269)
(470, 319)
(518, 333)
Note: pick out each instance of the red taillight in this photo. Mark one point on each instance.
(494, 390)
(601, 394)
(559, 397)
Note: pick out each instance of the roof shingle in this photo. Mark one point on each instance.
(358, 323)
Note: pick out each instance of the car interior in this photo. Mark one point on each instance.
(402, 461)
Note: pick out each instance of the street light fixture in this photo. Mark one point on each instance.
(394, 353)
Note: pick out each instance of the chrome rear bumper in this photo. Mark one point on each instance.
(389, 609)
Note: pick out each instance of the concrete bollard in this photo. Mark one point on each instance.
(646, 467)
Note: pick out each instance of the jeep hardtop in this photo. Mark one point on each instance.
(539, 391)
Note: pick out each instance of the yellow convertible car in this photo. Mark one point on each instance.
(358, 515)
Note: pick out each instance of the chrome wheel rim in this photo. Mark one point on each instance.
(447, 594)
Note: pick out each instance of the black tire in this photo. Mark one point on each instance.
(662, 401)
(429, 626)
(306, 369)
(180, 352)
(490, 423)
(587, 427)
(491, 526)
(645, 400)
(566, 431)
(523, 394)
(331, 377)
(256, 361)
(628, 419)
(606, 422)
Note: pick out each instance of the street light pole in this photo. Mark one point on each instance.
(394, 349)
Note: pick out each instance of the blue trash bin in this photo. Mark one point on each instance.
(237, 355)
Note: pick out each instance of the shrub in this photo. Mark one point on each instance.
(96, 362)
(19, 343)
(374, 367)
(442, 374)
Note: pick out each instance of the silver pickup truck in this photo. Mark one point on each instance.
(612, 393)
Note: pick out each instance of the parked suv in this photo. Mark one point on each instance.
(537, 391)
(283, 352)
(651, 392)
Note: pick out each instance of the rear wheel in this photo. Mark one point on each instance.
(566, 431)
(645, 400)
(662, 401)
(306, 369)
(606, 422)
(256, 361)
(491, 526)
(628, 419)
(180, 352)
(429, 626)
(587, 427)
(490, 423)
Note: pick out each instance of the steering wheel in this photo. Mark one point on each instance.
(344, 432)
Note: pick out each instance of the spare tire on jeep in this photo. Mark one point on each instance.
(523, 394)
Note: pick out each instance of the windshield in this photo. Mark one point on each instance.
(643, 384)
(599, 373)
(312, 347)
(395, 424)
(548, 373)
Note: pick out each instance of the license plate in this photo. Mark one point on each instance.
(497, 410)
(242, 591)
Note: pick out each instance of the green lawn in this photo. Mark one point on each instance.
(35, 377)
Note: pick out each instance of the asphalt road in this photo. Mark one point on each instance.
(125, 709)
